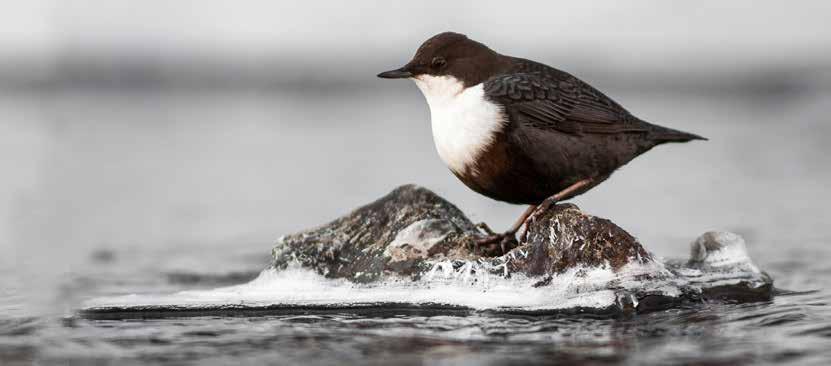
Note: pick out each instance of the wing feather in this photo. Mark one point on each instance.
(561, 102)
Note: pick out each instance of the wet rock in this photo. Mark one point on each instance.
(411, 226)
(393, 235)
(414, 234)
(413, 251)
(720, 249)
(720, 266)
(565, 237)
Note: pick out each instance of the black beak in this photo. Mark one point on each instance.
(395, 74)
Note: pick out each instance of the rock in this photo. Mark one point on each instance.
(564, 237)
(413, 234)
(720, 249)
(413, 251)
(411, 226)
(393, 235)
(720, 266)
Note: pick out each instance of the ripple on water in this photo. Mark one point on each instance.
(793, 327)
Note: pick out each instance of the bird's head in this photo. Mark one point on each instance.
(448, 56)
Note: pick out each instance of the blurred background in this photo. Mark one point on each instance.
(192, 129)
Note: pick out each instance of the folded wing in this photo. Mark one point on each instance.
(560, 102)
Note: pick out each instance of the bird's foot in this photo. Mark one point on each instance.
(541, 209)
(551, 201)
(496, 244)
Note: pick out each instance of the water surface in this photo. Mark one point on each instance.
(111, 193)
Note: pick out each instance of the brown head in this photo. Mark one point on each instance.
(450, 54)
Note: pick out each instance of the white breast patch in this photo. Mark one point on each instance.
(464, 123)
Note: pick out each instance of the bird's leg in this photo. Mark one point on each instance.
(559, 196)
(507, 238)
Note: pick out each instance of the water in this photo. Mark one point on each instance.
(114, 193)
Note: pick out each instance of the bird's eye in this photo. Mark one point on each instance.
(438, 62)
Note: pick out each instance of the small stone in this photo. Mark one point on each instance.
(719, 249)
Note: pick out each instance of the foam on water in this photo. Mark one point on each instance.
(466, 284)
(718, 258)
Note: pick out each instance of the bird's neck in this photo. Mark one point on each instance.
(439, 90)
(464, 122)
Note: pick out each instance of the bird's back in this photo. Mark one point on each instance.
(561, 130)
(580, 107)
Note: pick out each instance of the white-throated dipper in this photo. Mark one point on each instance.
(520, 131)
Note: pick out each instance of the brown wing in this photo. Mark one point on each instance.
(561, 102)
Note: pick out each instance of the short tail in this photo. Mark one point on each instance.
(661, 134)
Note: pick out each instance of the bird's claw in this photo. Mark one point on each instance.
(485, 228)
(541, 209)
(506, 242)
(532, 218)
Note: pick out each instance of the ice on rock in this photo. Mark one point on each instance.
(720, 249)
(721, 268)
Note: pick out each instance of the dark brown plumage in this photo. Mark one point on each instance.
(560, 136)
(562, 130)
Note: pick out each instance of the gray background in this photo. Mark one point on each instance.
(159, 125)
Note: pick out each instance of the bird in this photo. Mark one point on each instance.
(522, 132)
